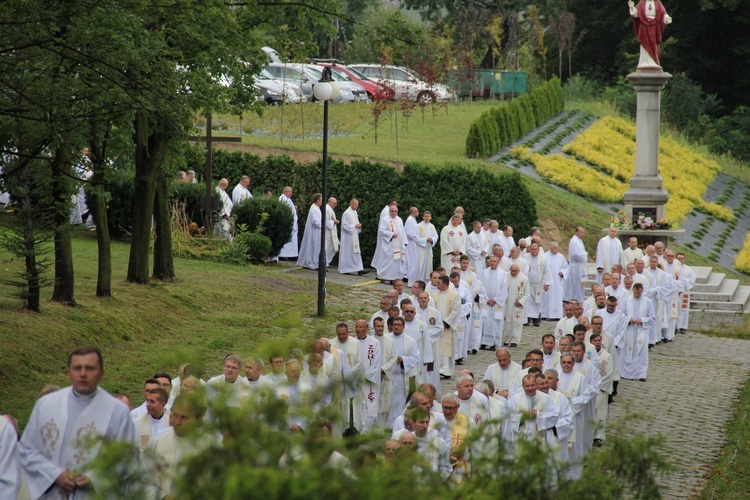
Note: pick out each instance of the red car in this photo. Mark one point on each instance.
(374, 90)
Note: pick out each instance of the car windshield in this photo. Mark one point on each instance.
(264, 75)
(313, 74)
(340, 76)
(357, 74)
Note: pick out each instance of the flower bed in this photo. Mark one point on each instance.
(609, 145)
(742, 261)
(576, 178)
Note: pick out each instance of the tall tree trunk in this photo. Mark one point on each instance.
(150, 148)
(33, 275)
(163, 262)
(64, 289)
(98, 207)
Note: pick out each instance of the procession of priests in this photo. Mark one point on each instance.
(396, 375)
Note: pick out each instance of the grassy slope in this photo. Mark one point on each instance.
(212, 309)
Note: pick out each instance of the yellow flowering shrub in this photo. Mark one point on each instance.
(742, 260)
(609, 144)
(572, 175)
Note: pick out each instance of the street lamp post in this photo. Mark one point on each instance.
(325, 90)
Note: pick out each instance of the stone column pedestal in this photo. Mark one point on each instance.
(646, 194)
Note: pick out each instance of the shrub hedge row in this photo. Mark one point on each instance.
(481, 193)
(499, 127)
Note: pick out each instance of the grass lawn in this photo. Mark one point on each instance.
(729, 478)
(211, 310)
(432, 135)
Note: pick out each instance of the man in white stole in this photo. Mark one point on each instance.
(477, 247)
(660, 290)
(552, 300)
(466, 296)
(504, 373)
(412, 252)
(407, 357)
(448, 302)
(688, 280)
(310, 249)
(577, 273)
(390, 256)
(565, 421)
(608, 253)
(572, 384)
(452, 243)
(156, 420)
(164, 456)
(518, 295)
(533, 414)
(61, 438)
(495, 282)
(633, 345)
(371, 358)
(388, 349)
(632, 253)
(474, 323)
(674, 269)
(290, 249)
(539, 282)
(350, 254)
(417, 330)
(352, 377)
(434, 321)
(425, 238)
(10, 469)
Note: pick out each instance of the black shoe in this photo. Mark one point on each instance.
(492, 348)
(642, 379)
(505, 344)
(537, 324)
(460, 361)
(513, 344)
(474, 351)
(444, 377)
(387, 282)
(597, 443)
(482, 347)
(651, 346)
(364, 271)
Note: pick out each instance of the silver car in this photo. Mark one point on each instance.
(405, 83)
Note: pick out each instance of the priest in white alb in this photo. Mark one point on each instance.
(390, 256)
(518, 295)
(452, 243)
(371, 358)
(407, 357)
(448, 302)
(332, 237)
(577, 273)
(552, 300)
(309, 253)
(350, 253)
(410, 230)
(425, 238)
(608, 253)
(290, 250)
(352, 403)
(540, 280)
(477, 247)
(633, 345)
(495, 282)
(61, 438)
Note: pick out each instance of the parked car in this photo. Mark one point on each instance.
(406, 84)
(276, 92)
(374, 90)
(349, 91)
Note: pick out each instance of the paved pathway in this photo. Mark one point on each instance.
(683, 376)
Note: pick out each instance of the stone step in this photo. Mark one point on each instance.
(709, 305)
(711, 285)
(702, 274)
(725, 293)
(710, 319)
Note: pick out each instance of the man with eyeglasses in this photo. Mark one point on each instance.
(604, 396)
(434, 321)
(388, 350)
(229, 388)
(458, 423)
(634, 345)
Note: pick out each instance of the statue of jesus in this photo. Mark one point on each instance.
(649, 18)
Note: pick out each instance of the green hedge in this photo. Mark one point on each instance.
(503, 125)
(482, 194)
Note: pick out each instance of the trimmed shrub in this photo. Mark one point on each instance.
(474, 142)
(257, 246)
(277, 227)
(193, 196)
